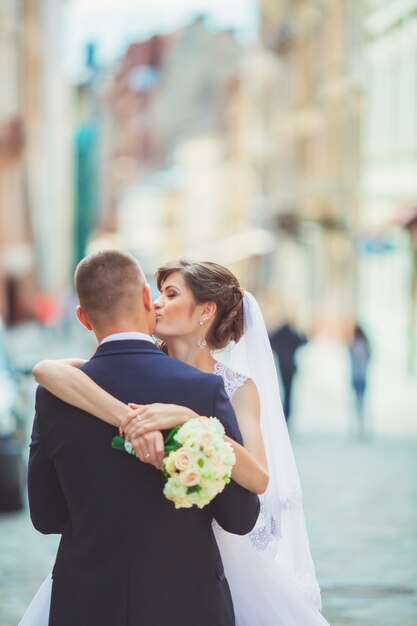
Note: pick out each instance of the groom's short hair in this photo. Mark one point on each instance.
(109, 285)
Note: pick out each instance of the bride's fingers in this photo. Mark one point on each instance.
(131, 415)
(137, 444)
(155, 445)
(145, 427)
(130, 430)
(159, 452)
(140, 423)
(149, 448)
(141, 449)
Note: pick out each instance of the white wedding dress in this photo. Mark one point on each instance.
(37, 613)
(263, 592)
(270, 571)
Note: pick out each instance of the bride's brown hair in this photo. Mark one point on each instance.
(211, 282)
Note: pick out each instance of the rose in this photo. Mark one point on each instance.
(183, 502)
(217, 460)
(169, 463)
(174, 488)
(183, 459)
(206, 439)
(191, 428)
(174, 485)
(190, 478)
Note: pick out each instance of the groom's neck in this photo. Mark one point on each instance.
(121, 327)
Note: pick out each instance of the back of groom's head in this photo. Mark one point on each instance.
(109, 285)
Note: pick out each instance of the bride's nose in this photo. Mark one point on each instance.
(157, 303)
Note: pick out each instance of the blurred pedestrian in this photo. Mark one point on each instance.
(360, 354)
(285, 341)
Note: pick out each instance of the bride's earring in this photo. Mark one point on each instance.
(202, 342)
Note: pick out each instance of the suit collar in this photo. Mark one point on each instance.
(124, 336)
(135, 346)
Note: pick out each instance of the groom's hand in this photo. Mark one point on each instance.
(150, 448)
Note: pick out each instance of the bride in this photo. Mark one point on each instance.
(206, 320)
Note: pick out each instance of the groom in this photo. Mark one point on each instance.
(127, 557)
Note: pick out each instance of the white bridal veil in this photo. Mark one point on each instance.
(281, 528)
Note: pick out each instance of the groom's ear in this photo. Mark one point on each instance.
(147, 298)
(82, 318)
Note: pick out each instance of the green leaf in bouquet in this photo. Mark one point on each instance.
(194, 489)
(118, 443)
(172, 447)
(170, 443)
(170, 437)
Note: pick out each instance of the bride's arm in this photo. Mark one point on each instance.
(66, 381)
(251, 468)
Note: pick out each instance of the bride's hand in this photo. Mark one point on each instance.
(149, 448)
(144, 418)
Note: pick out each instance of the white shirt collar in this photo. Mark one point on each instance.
(128, 335)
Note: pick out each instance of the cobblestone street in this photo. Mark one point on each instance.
(361, 506)
(26, 558)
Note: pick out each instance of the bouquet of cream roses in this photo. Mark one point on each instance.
(198, 464)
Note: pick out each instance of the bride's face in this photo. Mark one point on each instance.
(177, 315)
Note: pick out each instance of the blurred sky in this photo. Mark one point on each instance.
(112, 24)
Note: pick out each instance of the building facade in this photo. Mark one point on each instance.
(34, 157)
(17, 257)
(311, 174)
(185, 186)
(388, 271)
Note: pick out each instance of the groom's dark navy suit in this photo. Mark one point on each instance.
(127, 557)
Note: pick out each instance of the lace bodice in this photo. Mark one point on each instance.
(232, 379)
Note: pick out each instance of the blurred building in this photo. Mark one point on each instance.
(388, 269)
(312, 111)
(129, 137)
(179, 185)
(49, 154)
(17, 256)
(34, 156)
(90, 173)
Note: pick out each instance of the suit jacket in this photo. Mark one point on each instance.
(127, 557)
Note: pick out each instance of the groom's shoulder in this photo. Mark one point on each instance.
(46, 401)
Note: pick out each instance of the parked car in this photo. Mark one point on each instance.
(12, 434)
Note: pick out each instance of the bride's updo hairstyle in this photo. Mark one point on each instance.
(210, 282)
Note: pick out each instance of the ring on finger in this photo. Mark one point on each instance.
(147, 455)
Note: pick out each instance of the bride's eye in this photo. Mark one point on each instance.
(171, 295)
